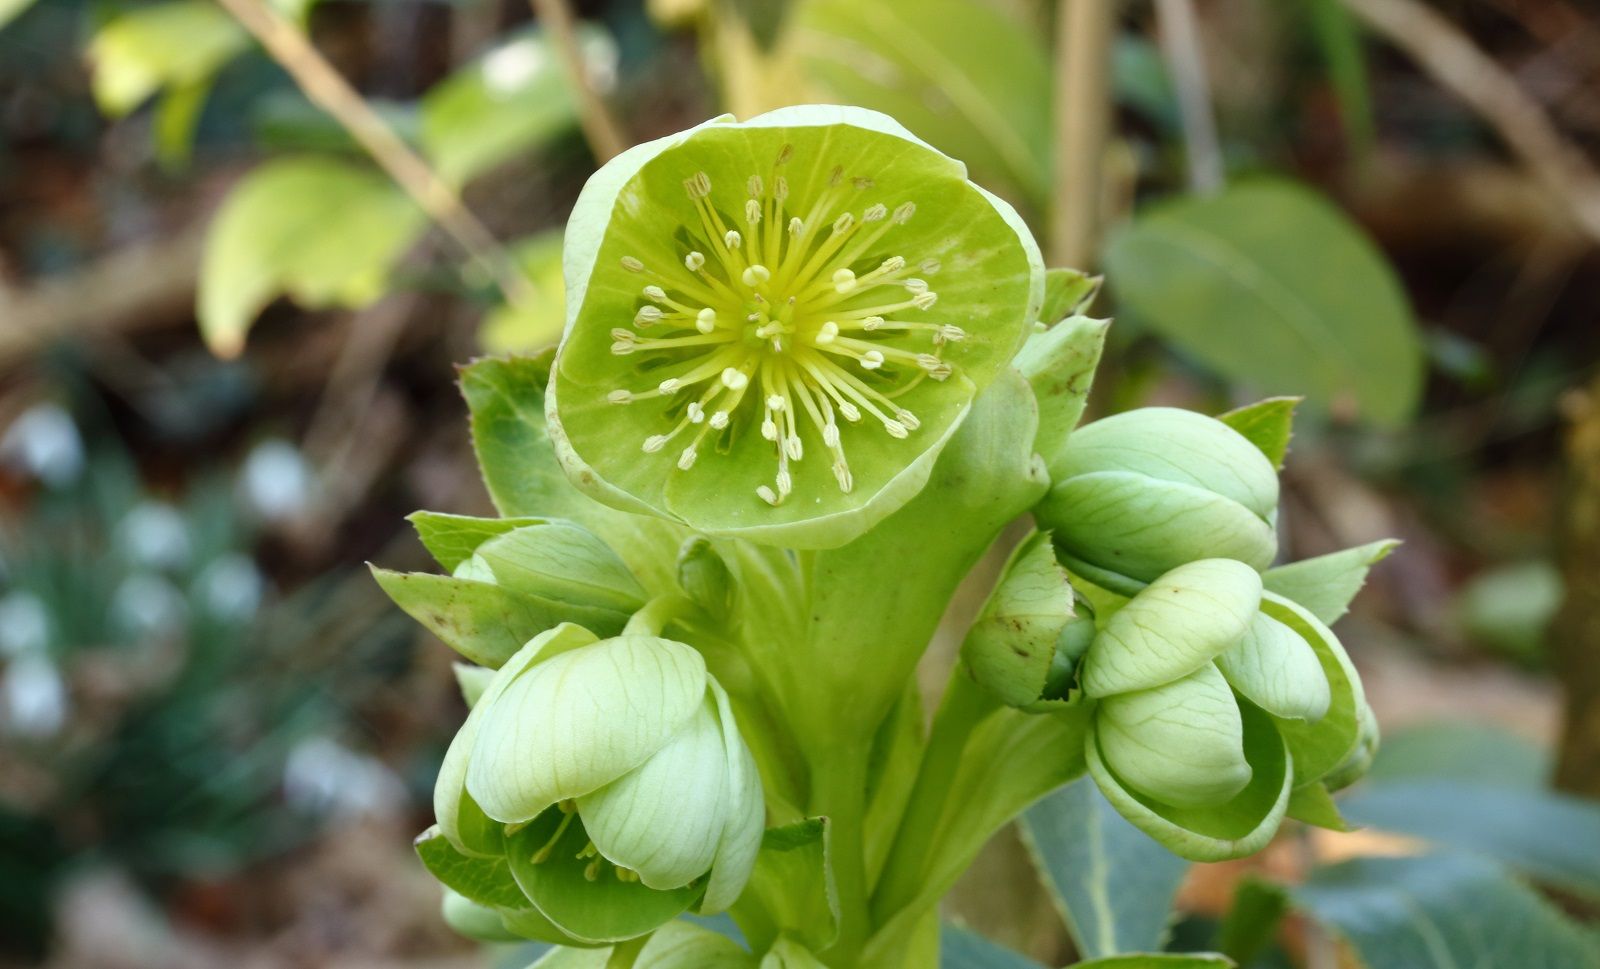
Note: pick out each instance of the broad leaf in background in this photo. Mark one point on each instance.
(1112, 884)
(1550, 836)
(964, 75)
(506, 102)
(534, 323)
(323, 231)
(1273, 287)
(1462, 751)
(179, 44)
(1442, 912)
(1160, 960)
(1268, 424)
(12, 9)
(963, 949)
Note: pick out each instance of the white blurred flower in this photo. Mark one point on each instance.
(155, 536)
(324, 777)
(24, 624)
(147, 605)
(33, 696)
(44, 442)
(230, 588)
(506, 70)
(276, 481)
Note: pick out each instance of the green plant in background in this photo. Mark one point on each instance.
(847, 439)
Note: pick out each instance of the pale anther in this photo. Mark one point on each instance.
(830, 435)
(872, 323)
(774, 402)
(785, 483)
(699, 186)
(794, 448)
(827, 332)
(620, 396)
(767, 495)
(769, 430)
(844, 222)
(719, 420)
(656, 293)
(850, 411)
(622, 336)
(872, 360)
(654, 443)
(732, 239)
(622, 349)
(706, 320)
(895, 429)
(780, 188)
(875, 213)
(752, 211)
(632, 265)
(925, 301)
(929, 266)
(893, 264)
(755, 275)
(686, 459)
(916, 286)
(843, 280)
(907, 418)
(697, 413)
(841, 474)
(903, 214)
(734, 379)
(647, 316)
(693, 261)
(670, 385)
(796, 226)
(952, 333)
(753, 185)
(928, 361)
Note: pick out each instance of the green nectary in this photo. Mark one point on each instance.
(773, 327)
(611, 776)
(1139, 493)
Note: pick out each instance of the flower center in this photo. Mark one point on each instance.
(787, 313)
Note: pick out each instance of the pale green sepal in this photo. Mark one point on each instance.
(741, 836)
(579, 720)
(1059, 364)
(664, 818)
(1181, 446)
(1140, 527)
(586, 225)
(1321, 747)
(786, 953)
(1325, 585)
(473, 920)
(1180, 623)
(562, 561)
(1181, 743)
(1355, 766)
(1277, 670)
(1010, 646)
(1240, 827)
(450, 796)
(472, 680)
(676, 945)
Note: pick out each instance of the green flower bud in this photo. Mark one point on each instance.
(1181, 743)
(1139, 493)
(610, 770)
(1179, 623)
(1028, 633)
(774, 326)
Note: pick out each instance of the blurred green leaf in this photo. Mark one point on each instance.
(1268, 424)
(506, 102)
(1273, 287)
(286, 121)
(1113, 885)
(177, 115)
(1550, 836)
(321, 230)
(1160, 960)
(1442, 912)
(961, 74)
(964, 949)
(1461, 751)
(178, 44)
(1252, 920)
(1510, 607)
(12, 9)
(536, 323)
(1338, 39)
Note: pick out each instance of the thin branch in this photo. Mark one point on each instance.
(1450, 57)
(600, 129)
(328, 90)
(1082, 122)
(1180, 44)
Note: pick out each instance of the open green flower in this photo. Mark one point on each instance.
(1215, 701)
(774, 326)
(1139, 493)
(611, 776)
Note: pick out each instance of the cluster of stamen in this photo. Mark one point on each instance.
(789, 313)
(597, 862)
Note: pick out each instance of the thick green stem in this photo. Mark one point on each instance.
(965, 704)
(839, 793)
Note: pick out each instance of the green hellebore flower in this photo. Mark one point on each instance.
(1142, 492)
(612, 776)
(774, 326)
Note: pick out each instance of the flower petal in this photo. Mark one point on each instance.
(1278, 670)
(1181, 743)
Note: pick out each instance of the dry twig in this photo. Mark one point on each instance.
(1082, 121)
(600, 129)
(1180, 43)
(1446, 53)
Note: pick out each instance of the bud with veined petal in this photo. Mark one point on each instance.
(611, 776)
(1139, 493)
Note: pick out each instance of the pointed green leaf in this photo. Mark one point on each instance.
(1326, 584)
(1059, 364)
(1314, 804)
(486, 881)
(1113, 886)
(793, 881)
(561, 561)
(1067, 292)
(451, 539)
(1268, 424)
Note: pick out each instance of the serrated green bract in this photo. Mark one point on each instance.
(773, 327)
